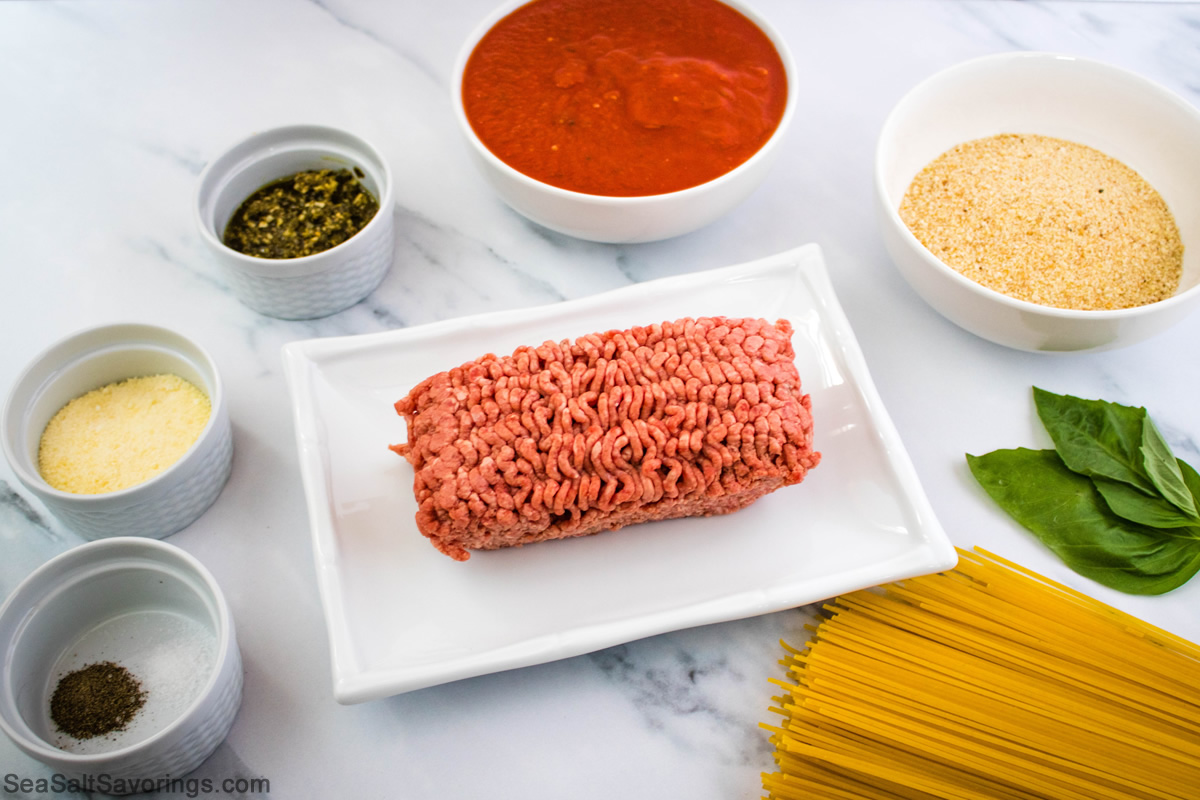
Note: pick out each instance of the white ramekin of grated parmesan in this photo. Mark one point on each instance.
(120, 430)
(1044, 202)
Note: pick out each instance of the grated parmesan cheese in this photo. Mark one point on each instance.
(122, 434)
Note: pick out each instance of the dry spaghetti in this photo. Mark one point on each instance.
(987, 681)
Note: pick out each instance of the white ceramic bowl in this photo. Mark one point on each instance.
(312, 286)
(1138, 122)
(624, 219)
(147, 606)
(95, 357)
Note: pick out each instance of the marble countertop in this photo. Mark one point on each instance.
(108, 113)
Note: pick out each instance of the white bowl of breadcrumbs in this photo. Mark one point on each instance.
(1044, 202)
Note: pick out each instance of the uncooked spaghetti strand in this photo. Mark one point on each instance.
(900, 752)
(829, 734)
(1143, 651)
(1004, 604)
(1089, 729)
(853, 684)
(1009, 742)
(1058, 639)
(948, 742)
(792, 787)
(807, 781)
(954, 670)
(916, 777)
(867, 726)
(876, 785)
(824, 773)
(1036, 696)
(1084, 676)
(852, 727)
(875, 778)
(925, 742)
(897, 606)
(1126, 621)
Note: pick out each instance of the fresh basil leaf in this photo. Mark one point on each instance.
(1067, 513)
(1163, 469)
(1096, 438)
(1191, 479)
(1127, 502)
(1158, 570)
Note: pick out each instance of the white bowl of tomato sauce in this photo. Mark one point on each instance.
(624, 120)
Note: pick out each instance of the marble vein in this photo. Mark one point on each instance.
(193, 163)
(420, 64)
(680, 695)
(14, 502)
(27, 537)
(192, 263)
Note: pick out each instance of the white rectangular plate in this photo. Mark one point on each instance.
(402, 616)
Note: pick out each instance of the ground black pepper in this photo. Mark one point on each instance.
(98, 699)
(301, 214)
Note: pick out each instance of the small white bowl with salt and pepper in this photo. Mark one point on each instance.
(121, 668)
(317, 280)
(1070, 254)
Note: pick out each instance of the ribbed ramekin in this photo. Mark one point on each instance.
(138, 602)
(96, 357)
(311, 286)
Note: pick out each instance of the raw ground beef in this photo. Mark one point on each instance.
(687, 418)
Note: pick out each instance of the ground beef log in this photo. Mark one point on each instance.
(688, 418)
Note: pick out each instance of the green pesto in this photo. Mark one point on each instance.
(302, 214)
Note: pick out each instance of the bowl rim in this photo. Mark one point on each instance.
(885, 140)
(85, 557)
(301, 266)
(33, 479)
(480, 149)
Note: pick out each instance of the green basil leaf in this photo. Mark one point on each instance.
(1158, 570)
(1163, 469)
(1096, 438)
(1127, 502)
(1067, 513)
(1190, 479)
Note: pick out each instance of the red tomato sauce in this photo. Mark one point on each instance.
(624, 97)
